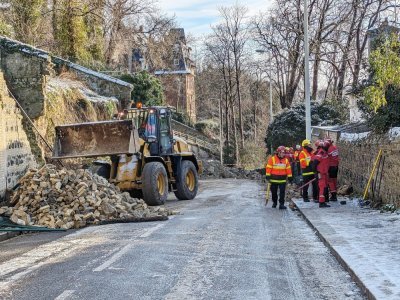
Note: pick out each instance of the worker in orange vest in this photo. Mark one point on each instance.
(305, 158)
(278, 171)
(333, 154)
(297, 169)
(321, 165)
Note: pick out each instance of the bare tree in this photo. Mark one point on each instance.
(237, 29)
(281, 34)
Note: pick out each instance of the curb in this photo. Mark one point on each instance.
(341, 261)
(8, 235)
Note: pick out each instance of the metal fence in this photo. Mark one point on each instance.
(194, 137)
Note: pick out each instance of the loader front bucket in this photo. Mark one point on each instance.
(96, 139)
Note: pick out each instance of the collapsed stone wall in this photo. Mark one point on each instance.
(51, 96)
(357, 161)
(15, 151)
(102, 84)
(26, 76)
(27, 71)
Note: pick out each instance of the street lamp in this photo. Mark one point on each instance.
(307, 73)
(271, 118)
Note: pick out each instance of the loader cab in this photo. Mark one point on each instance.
(154, 127)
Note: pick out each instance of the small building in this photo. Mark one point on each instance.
(177, 75)
(384, 30)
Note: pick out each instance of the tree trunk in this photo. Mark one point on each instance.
(343, 65)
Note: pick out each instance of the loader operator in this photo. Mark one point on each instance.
(278, 171)
(305, 157)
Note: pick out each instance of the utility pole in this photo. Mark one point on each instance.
(221, 157)
(307, 73)
(271, 114)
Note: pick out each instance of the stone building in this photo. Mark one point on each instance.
(177, 75)
(384, 30)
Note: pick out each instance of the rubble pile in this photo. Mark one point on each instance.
(72, 199)
(213, 169)
(292, 192)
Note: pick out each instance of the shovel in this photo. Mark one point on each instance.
(267, 194)
(306, 184)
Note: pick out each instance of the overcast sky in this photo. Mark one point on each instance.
(195, 16)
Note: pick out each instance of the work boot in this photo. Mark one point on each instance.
(282, 206)
(274, 205)
(334, 197)
(305, 199)
(326, 194)
(323, 204)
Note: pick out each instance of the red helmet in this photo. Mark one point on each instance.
(281, 149)
(317, 142)
(291, 149)
(326, 144)
(329, 141)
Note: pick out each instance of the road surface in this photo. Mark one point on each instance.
(225, 244)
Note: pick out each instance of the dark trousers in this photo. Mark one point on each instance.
(306, 179)
(274, 192)
(296, 170)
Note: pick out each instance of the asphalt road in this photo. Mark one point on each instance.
(225, 244)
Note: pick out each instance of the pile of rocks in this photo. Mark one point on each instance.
(213, 169)
(72, 199)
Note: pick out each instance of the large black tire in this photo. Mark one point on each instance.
(155, 183)
(188, 182)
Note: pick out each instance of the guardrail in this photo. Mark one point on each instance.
(195, 141)
(194, 137)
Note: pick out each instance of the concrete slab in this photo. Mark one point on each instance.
(365, 241)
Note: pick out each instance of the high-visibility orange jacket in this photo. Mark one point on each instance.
(305, 163)
(296, 155)
(278, 169)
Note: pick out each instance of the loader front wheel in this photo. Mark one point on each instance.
(155, 183)
(188, 182)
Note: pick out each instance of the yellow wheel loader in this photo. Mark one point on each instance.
(146, 159)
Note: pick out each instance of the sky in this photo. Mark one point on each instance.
(195, 16)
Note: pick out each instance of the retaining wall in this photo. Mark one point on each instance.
(15, 150)
(28, 69)
(357, 161)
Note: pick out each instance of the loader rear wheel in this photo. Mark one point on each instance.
(188, 181)
(155, 183)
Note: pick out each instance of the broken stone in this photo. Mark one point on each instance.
(72, 199)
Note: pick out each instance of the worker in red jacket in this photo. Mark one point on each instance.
(277, 172)
(321, 165)
(333, 154)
